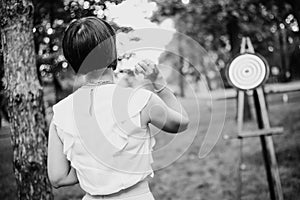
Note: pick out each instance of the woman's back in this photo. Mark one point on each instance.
(103, 137)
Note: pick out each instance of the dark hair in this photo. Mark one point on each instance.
(90, 43)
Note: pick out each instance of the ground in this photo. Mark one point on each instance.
(215, 176)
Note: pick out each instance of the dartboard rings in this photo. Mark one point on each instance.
(247, 71)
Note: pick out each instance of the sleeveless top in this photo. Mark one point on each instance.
(102, 137)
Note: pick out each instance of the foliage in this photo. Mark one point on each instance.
(219, 25)
(51, 19)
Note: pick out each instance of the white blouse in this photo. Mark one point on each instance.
(103, 138)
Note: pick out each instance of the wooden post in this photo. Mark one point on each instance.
(265, 133)
(246, 47)
(267, 146)
(240, 119)
(240, 114)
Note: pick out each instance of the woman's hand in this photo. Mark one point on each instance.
(151, 72)
(164, 104)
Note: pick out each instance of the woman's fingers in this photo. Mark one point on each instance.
(143, 65)
(147, 69)
(138, 69)
(149, 63)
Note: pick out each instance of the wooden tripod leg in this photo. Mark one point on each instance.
(240, 118)
(240, 111)
(267, 146)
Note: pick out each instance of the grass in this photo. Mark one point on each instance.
(215, 176)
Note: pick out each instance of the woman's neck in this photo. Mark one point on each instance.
(94, 77)
(99, 75)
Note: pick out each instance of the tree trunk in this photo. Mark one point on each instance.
(25, 105)
(181, 77)
(283, 53)
(233, 30)
(1, 85)
(181, 65)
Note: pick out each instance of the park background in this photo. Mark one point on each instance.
(218, 26)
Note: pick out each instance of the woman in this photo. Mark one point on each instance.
(99, 135)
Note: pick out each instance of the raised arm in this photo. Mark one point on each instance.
(163, 109)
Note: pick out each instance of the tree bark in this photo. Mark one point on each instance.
(25, 105)
(181, 65)
(233, 30)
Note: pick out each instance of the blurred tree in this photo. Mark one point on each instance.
(25, 100)
(219, 25)
(49, 17)
(286, 17)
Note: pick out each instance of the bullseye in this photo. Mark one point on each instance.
(247, 71)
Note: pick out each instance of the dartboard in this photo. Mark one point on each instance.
(247, 71)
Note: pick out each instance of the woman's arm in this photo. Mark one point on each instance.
(163, 116)
(163, 110)
(169, 98)
(59, 170)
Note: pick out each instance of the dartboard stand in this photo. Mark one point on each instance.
(264, 132)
